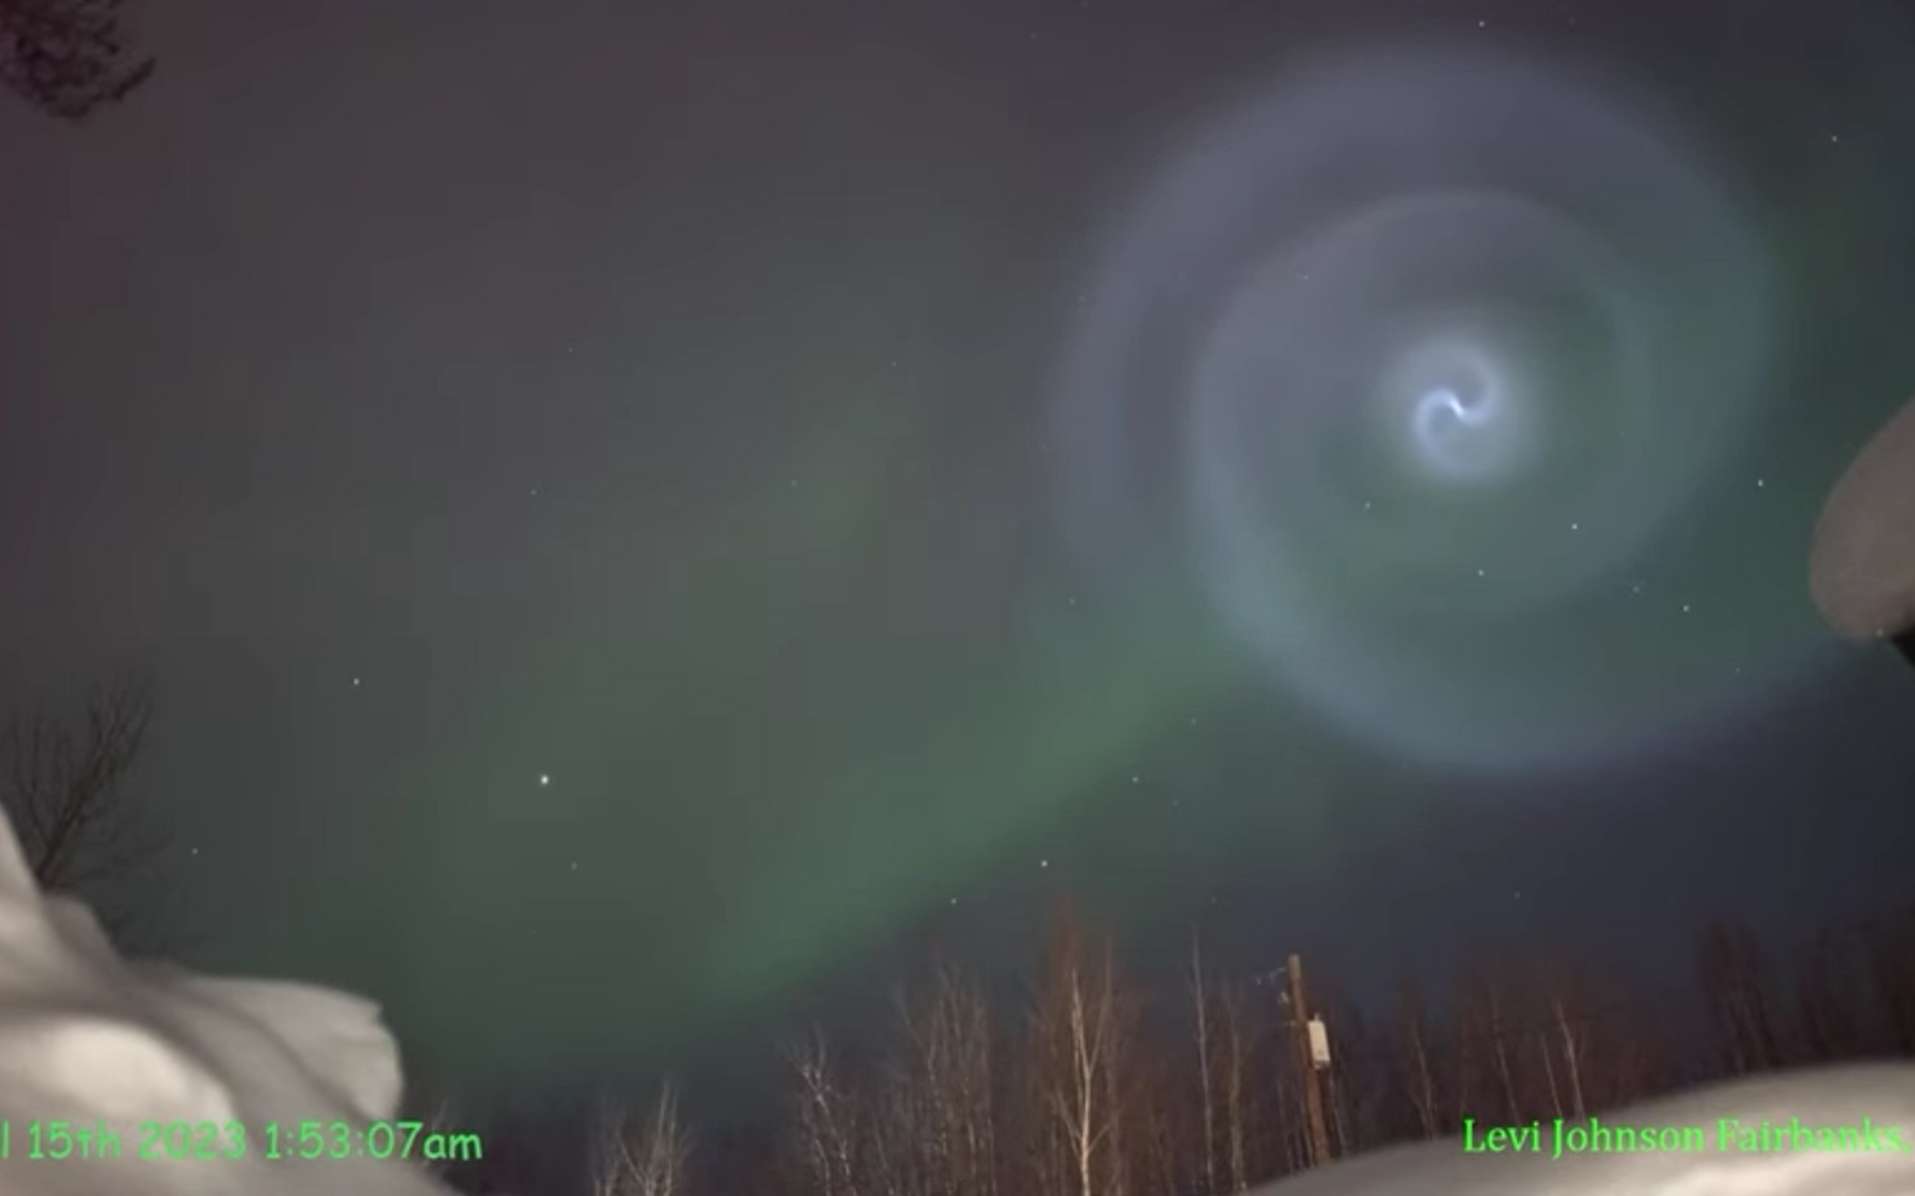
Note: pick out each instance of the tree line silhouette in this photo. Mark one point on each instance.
(1092, 1086)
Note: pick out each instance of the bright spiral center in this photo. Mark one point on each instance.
(1464, 428)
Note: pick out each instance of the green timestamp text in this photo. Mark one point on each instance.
(183, 1141)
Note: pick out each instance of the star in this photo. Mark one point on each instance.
(1133, 778)
(1043, 863)
(1482, 573)
(1685, 608)
(1575, 527)
(544, 779)
(355, 683)
(1759, 483)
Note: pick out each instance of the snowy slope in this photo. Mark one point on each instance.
(91, 1039)
(1862, 565)
(1884, 1094)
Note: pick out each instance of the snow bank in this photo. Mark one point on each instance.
(1862, 566)
(97, 1042)
(1868, 1100)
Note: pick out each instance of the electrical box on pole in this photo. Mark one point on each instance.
(1319, 1043)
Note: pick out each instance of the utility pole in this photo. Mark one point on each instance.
(1319, 1134)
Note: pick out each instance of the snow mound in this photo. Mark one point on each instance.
(1874, 1102)
(95, 1041)
(1862, 566)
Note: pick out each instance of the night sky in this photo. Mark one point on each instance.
(644, 517)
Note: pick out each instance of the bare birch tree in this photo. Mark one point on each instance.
(828, 1125)
(938, 1136)
(645, 1156)
(1573, 1045)
(1483, 1014)
(1077, 1037)
(1239, 1041)
(1419, 1078)
(1200, 1002)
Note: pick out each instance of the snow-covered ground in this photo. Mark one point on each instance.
(1880, 1096)
(1862, 565)
(92, 1040)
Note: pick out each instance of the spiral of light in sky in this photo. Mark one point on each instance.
(1421, 353)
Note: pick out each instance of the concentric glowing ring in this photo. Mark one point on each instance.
(1438, 341)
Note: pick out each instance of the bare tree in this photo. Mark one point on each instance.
(1482, 1014)
(68, 56)
(1159, 1122)
(1292, 1151)
(1573, 1048)
(1730, 965)
(901, 1158)
(1831, 1028)
(1629, 1060)
(950, 1038)
(1360, 1068)
(1239, 1039)
(66, 793)
(1200, 1008)
(828, 1125)
(1078, 1028)
(642, 1157)
(1223, 1036)
(1419, 1079)
(933, 1131)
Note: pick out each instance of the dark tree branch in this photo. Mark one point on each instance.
(68, 56)
(65, 790)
